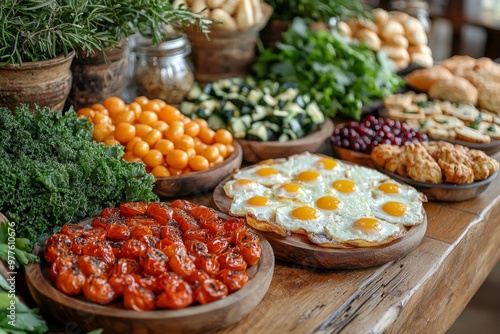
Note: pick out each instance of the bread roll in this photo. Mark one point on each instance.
(212, 4)
(489, 97)
(391, 28)
(398, 16)
(344, 29)
(396, 52)
(420, 49)
(421, 59)
(456, 89)
(424, 78)
(458, 62)
(244, 15)
(381, 16)
(400, 64)
(370, 38)
(397, 40)
(228, 23)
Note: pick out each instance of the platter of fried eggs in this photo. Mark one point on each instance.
(314, 206)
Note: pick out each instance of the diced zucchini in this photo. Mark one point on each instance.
(272, 126)
(210, 105)
(254, 96)
(247, 120)
(215, 122)
(281, 113)
(283, 137)
(188, 108)
(288, 95)
(194, 92)
(292, 135)
(296, 127)
(315, 113)
(269, 100)
(293, 107)
(259, 113)
(258, 133)
(237, 127)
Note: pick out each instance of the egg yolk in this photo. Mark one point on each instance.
(368, 225)
(290, 187)
(243, 182)
(328, 163)
(305, 213)
(257, 201)
(345, 186)
(390, 188)
(395, 208)
(308, 176)
(328, 203)
(267, 171)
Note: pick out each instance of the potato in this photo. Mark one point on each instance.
(257, 11)
(212, 4)
(230, 6)
(228, 23)
(198, 6)
(244, 15)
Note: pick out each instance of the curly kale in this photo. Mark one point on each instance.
(53, 172)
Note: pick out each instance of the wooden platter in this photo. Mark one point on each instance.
(255, 151)
(114, 319)
(298, 249)
(198, 183)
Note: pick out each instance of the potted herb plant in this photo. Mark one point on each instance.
(315, 12)
(40, 38)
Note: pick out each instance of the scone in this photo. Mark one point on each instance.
(455, 89)
(458, 63)
(489, 97)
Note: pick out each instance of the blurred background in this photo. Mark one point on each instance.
(465, 27)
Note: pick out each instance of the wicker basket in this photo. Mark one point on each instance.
(225, 54)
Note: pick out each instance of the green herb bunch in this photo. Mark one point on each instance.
(53, 172)
(34, 30)
(340, 75)
(317, 10)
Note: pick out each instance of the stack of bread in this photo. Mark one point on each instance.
(233, 15)
(461, 79)
(401, 36)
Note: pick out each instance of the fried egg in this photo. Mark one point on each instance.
(300, 219)
(364, 177)
(355, 206)
(398, 210)
(310, 179)
(324, 165)
(344, 187)
(363, 232)
(266, 175)
(392, 188)
(292, 191)
(234, 187)
(261, 207)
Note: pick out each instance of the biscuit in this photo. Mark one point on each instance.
(456, 89)
(448, 122)
(471, 135)
(441, 133)
(400, 101)
(464, 112)
(490, 129)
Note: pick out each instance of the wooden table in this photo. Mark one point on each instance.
(424, 292)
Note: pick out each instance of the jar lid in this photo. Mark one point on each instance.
(176, 45)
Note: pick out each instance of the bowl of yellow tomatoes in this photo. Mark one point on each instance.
(185, 155)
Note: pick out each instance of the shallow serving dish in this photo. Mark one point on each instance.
(445, 192)
(359, 158)
(255, 151)
(490, 148)
(114, 319)
(198, 183)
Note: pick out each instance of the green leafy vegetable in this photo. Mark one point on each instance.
(340, 75)
(53, 172)
(18, 253)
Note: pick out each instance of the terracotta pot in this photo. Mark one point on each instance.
(97, 76)
(45, 83)
(225, 54)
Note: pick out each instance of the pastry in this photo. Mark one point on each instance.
(455, 89)
(422, 79)
(471, 135)
(489, 97)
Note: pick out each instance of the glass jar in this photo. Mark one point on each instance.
(416, 8)
(164, 71)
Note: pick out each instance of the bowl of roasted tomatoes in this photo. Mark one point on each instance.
(155, 268)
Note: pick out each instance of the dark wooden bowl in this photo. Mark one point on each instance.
(255, 151)
(114, 319)
(359, 158)
(198, 183)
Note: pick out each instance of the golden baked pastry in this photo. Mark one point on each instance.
(489, 97)
(422, 79)
(490, 129)
(383, 152)
(455, 89)
(482, 165)
(455, 165)
(471, 135)
(458, 63)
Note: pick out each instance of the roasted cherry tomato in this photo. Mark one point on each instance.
(70, 281)
(208, 263)
(138, 231)
(213, 226)
(133, 249)
(72, 230)
(117, 247)
(102, 250)
(185, 221)
(154, 262)
(98, 290)
(200, 234)
(125, 266)
(130, 209)
(102, 222)
(56, 245)
(197, 277)
(217, 245)
(243, 234)
(148, 282)
(111, 213)
(179, 260)
(210, 290)
(135, 297)
(144, 220)
(118, 231)
(96, 234)
(120, 282)
(169, 278)
(194, 247)
(233, 279)
(63, 262)
(251, 253)
(183, 204)
(203, 213)
(78, 244)
(91, 265)
(160, 211)
(233, 224)
(149, 239)
(234, 261)
(163, 243)
(175, 296)
(171, 232)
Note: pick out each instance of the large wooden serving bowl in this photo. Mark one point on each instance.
(255, 151)
(114, 319)
(198, 183)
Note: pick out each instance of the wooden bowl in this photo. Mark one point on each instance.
(359, 158)
(255, 151)
(198, 183)
(116, 320)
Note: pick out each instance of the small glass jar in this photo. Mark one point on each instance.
(164, 71)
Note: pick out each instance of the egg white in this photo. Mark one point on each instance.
(267, 180)
(234, 187)
(285, 217)
(412, 216)
(240, 207)
(283, 192)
